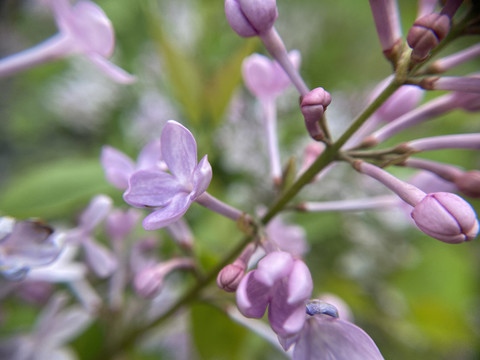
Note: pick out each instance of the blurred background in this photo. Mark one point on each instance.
(418, 298)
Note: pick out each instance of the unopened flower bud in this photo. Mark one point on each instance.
(230, 276)
(251, 17)
(446, 217)
(469, 183)
(313, 106)
(426, 33)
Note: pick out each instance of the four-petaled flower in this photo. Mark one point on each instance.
(283, 284)
(171, 193)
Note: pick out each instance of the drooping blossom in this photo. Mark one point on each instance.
(119, 167)
(287, 237)
(149, 281)
(251, 17)
(441, 215)
(267, 80)
(25, 245)
(56, 326)
(281, 283)
(230, 276)
(468, 182)
(100, 259)
(83, 29)
(313, 105)
(172, 194)
(325, 337)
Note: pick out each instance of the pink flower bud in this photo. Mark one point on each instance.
(251, 17)
(313, 106)
(426, 33)
(469, 183)
(230, 276)
(446, 217)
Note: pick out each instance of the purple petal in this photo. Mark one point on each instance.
(95, 212)
(179, 151)
(111, 70)
(169, 214)
(118, 167)
(324, 337)
(150, 158)
(252, 296)
(148, 188)
(201, 177)
(119, 223)
(286, 319)
(300, 284)
(91, 29)
(273, 267)
(99, 258)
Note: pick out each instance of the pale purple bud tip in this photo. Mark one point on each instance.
(446, 217)
(230, 276)
(149, 282)
(469, 183)
(313, 107)
(426, 33)
(251, 17)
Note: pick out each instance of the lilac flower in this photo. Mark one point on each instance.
(387, 22)
(313, 106)
(467, 182)
(119, 167)
(265, 78)
(283, 284)
(230, 276)
(84, 29)
(149, 281)
(325, 337)
(426, 33)
(99, 258)
(455, 59)
(457, 141)
(443, 216)
(25, 245)
(55, 327)
(172, 193)
(452, 83)
(287, 237)
(251, 17)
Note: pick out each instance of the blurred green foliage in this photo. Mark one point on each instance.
(426, 306)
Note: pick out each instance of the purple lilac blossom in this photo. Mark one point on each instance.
(281, 283)
(387, 22)
(324, 337)
(287, 237)
(119, 167)
(265, 78)
(171, 193)
(99, 258)
(426, 33)
(84, 29)
(251, 17)
(25, 245)
(55, 327)
(441, 215)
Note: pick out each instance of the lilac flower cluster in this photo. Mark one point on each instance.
(111, 266)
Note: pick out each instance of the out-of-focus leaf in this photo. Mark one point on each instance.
(183, 72)
(219, 91)
(215, 335)
(52, 190)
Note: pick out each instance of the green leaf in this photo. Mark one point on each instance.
(183, 72)
(51, 190)
(219, 91)
(215, 335)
